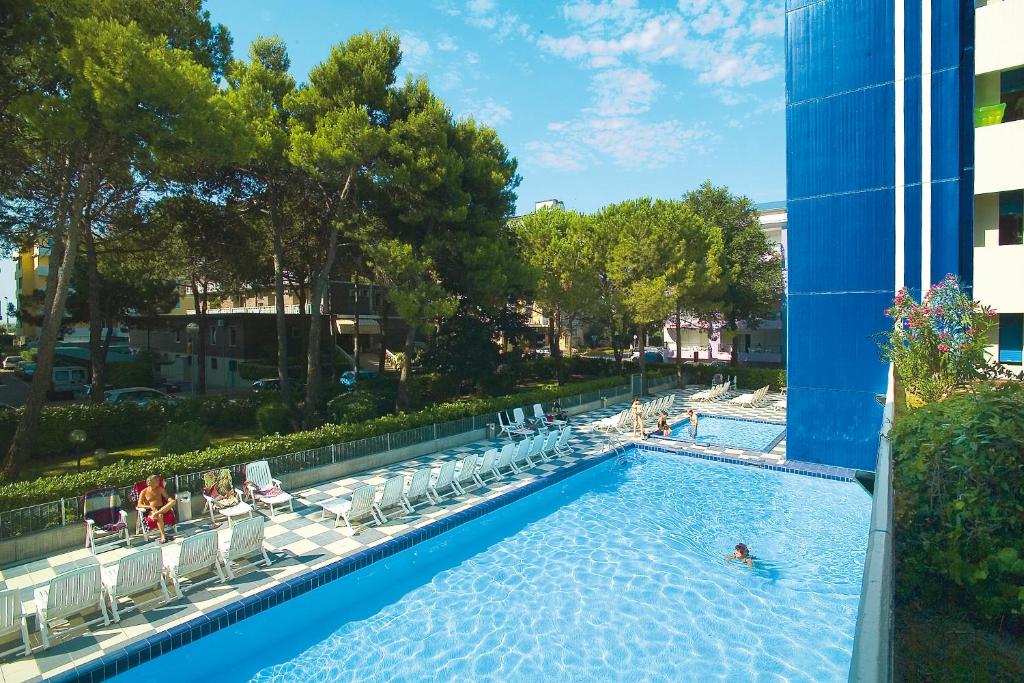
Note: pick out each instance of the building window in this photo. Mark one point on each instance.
(177, 336)
(1011, 93)
(213, 363)
(1011, 337)
(1011, 217)
(232, 336)
(213, 336)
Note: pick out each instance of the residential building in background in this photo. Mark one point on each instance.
(763, 344)
(880, 194)
(999, 172)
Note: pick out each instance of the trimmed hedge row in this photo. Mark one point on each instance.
(129, 471)
(116, 425)
(748, 378)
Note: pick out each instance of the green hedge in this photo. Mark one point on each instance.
(748, 378)
(116, 425)
(958, 475)
(129, 471)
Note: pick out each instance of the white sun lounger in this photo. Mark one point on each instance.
(390, 497)
(563, 447)
(140, 572)
(13, 621)
(241, 509)
(358, 505)
(511, 428)
(537, 449)
(242, 541)
(193, 556)
(264, 488)
(522, 455)
(73, 592)
(444, 479)
(751, 400)
(485, 468)
(465, 473)
(506, 457)
(416, 490)
(519, 416)
(547, 450)
(613, 422)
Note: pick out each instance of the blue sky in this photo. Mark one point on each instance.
(599, 101)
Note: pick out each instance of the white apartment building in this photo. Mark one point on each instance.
(999, 172)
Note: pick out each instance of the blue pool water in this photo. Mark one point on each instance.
(724, 431)
(614, 574)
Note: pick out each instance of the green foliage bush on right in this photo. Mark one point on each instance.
(958, 476)
(272, 418)
(182, 437)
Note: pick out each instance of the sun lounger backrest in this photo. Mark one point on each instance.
(508, 452)
(445, 475)
(538, 445)
(10, 611)
(362, 501)
(259, 474)
(73, 590)
(467, 468)
(246, 538)
(563, 438)
(393, 489)
(139, 570)
(550, 441)
(519, 416)
(420, 482)
(538, 412)
(487, 463)
(197, 552)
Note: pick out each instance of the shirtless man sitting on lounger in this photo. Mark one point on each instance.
(155, 497)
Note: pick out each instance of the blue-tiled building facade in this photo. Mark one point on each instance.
(879, 101)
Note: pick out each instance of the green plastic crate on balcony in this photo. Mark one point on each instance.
(989, 115)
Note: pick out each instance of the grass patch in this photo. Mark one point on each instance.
(68, 465)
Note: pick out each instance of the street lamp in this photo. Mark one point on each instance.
(77, 438)
(192, 328)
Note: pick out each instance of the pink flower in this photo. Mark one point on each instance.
(944, 335)
(943, 348)
(992, 314)
(951, 277)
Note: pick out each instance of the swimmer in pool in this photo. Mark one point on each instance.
(742, 554)
(692, 414)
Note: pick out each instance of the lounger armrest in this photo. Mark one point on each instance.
(124, 516)
(276, 482)
(90, 522)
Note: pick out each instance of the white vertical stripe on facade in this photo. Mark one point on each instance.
(926, 144)
(900, 140)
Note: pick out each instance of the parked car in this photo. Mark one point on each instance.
(67, 381)
(12, 362)
(139, 395)
(26, 369)
(349, 378)
(267, 385)
(649, 356)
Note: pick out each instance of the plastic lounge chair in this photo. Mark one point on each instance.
(511, 428)
(519, 416)
(444, 479)
(547, 450)
(13, 621)
(416, 489)
(536, 449)
(143, 522)
(263, 488)
(465, 473)
(522, 455)
(562, 447)
(104, 518)
(390, 497)
(140, 572)
(242, 541)
(68, 594)
(193, 556)
(613, 422)
(217, 485)
(357, 506)
(485, 469)
(750, 400)
(506, 458)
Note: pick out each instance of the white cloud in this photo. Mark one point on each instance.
(486, 14)
(622, 92)
(415, 50)
(490, 113)
(595, 14)
(471, 58)
(446, 43)
(560, 156)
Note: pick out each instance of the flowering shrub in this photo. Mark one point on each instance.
(938, 345)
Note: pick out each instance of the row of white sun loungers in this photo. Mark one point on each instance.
(713, 394)
(85, 590)
(519, 425)
(623, 420)
(428, 485)
(751, 400)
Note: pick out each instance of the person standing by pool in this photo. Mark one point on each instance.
(692, 414)
(636, 410)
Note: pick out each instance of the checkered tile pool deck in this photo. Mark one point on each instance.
(301, 541)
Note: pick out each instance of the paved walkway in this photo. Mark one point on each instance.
(301, 541)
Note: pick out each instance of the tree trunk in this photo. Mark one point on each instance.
(96, 318)
(279, 314)
(384, 314)
(405, 376)
(679, 347)
(642, 336)
(355, 341)
(551, 333)
(199, 344)
(59, 281)
(733, 360)
(711, 334)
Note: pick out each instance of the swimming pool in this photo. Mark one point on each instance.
(730, 432)
(615, 573)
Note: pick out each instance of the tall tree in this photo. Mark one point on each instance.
(751, 270)
(336, 135)
(120, 98)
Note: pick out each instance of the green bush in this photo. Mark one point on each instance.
(129, 471)
(182, 437)
(748, 378)
(29, 354)
(958, 473)
(130, 374)
(356, 406)
(272, 418)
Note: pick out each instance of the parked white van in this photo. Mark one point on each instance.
(68, 381)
